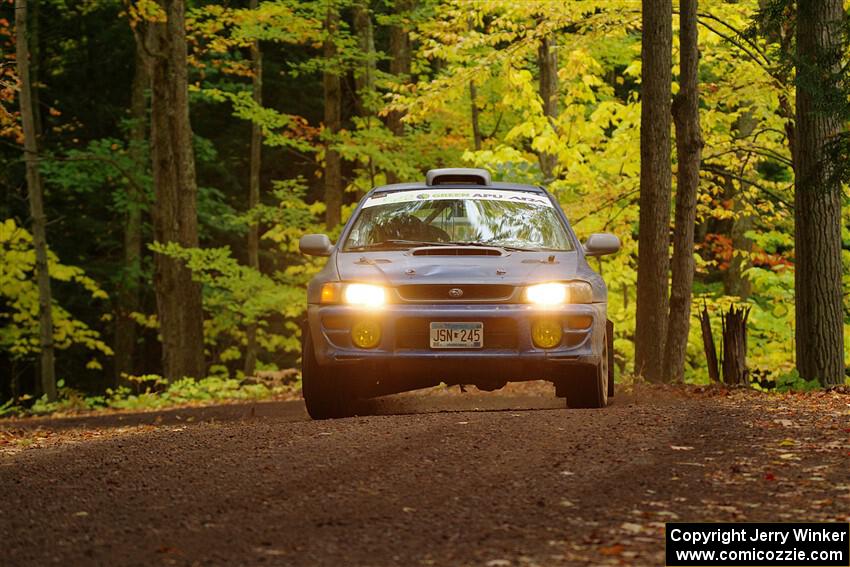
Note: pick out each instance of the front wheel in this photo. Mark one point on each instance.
(324, 398)
(589, 389)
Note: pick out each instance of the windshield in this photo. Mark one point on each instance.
(508, 219)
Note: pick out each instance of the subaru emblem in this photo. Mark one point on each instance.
(455, 292)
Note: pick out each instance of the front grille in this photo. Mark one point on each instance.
(414, 332)
(470, 292)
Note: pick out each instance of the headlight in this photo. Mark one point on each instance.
(559, 293)
(365, 295)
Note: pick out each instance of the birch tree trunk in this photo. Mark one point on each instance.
(817, 200)
(655, 180)
(35, 192)
(254, 191)
(175, 216)
(688, 149)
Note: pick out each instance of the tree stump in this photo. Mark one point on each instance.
(708, 344)
(733, 345)
(734, 357)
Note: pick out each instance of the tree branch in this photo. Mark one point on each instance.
(737, 32)
(723, 172)
(605, 205)
(140, 190)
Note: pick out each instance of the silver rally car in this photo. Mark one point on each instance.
(458, 280)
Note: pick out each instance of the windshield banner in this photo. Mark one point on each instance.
(448, 194)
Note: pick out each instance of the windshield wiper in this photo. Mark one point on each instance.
(496, 245)
(396, 243)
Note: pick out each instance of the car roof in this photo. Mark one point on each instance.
(419, 186)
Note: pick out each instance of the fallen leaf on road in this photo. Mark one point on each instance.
(167, 549)
(613, 550)
(631, 528)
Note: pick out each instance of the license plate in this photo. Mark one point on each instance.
(457, 335)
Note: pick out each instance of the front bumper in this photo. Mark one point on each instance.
(508, 354)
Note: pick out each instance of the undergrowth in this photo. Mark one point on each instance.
(147, 392)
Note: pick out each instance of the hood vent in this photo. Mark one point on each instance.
(455, 251)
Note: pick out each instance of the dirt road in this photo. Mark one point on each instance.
(494, 480)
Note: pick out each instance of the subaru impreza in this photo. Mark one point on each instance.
(455, 280)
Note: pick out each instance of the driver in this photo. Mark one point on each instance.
(407, 227)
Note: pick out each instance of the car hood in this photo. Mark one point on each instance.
(401, 267)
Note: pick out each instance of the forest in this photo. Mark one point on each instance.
(160, 159)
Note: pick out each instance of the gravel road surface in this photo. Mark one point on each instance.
(436, 478)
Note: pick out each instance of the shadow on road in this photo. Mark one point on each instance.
(522, 397)
(286, 410)
(407, 404)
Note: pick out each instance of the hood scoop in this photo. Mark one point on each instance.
(456, 251)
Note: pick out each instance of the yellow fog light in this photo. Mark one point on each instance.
(366, 334)
(546, 333)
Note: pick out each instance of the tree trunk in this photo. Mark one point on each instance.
(817, 201)
(333, 121)
(689, 149)
(734, 282)
(175, 216)
(473, 102)
(476, 125)
(128, 293)
(547, 58)
(14, 382)
(34, 32)
(366, 101)
(364, 77)
(254, 191)
(655, 179)
(399, 66)
(36, 201)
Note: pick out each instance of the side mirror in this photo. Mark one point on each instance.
(601, 243)
(315, 245)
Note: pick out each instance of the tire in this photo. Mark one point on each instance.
(589, 388)
(324, 398)
(609, 337)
